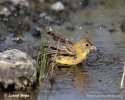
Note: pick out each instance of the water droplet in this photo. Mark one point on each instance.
(24, 8)
(5, 19)
(50, 28)
(80, 3)
(71, 39)
(20, 23)
(79, 27)
(17, 40)
(15, 14)
(67, 40)
(100, 27)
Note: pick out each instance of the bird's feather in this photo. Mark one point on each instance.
(60, 50)
(65, 46)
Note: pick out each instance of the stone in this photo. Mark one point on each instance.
(123, 26)
(17, 69)
(4, 11)
(58, 6)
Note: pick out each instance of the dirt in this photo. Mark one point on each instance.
(98, 78)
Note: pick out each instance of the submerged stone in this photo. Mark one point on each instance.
(17, 70)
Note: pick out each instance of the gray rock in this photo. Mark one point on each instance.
(17, 2)
(58, 6)
(4, 10)
(17, 69)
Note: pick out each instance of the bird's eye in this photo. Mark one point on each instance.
(87, 44)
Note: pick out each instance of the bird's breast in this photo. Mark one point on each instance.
(67, 60)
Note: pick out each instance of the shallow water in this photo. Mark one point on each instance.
(94, 80)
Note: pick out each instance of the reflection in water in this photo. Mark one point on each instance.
(122, 94)
(68, 81)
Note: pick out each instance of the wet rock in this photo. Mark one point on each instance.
(111, 30)
(36, 32)
(123, 26)
(4, 10)
(69, 27)
(18, 26)
(17, 70)
(76, 5)
(58, 6)
(20, 2)
(2, 38)
(17, 40)
(88, 23)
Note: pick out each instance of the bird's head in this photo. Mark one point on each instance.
(85, 46)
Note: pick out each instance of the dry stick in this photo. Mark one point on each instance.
(55, 57)
(47, 74)
(123, 76)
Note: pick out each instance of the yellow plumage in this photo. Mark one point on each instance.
(71, 61)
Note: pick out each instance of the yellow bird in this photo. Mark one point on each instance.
(68, 53)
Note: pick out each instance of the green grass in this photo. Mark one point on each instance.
(46, 65)
(42, 66)
(42, 59)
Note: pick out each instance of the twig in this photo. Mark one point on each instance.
(53, 65)
(123, 76)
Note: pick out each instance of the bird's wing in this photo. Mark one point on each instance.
(59, 38)
(60, 50)
(64, 47)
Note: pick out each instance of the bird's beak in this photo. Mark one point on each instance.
(93, 48)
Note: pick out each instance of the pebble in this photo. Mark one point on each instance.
(123, 26)
(58, 6)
